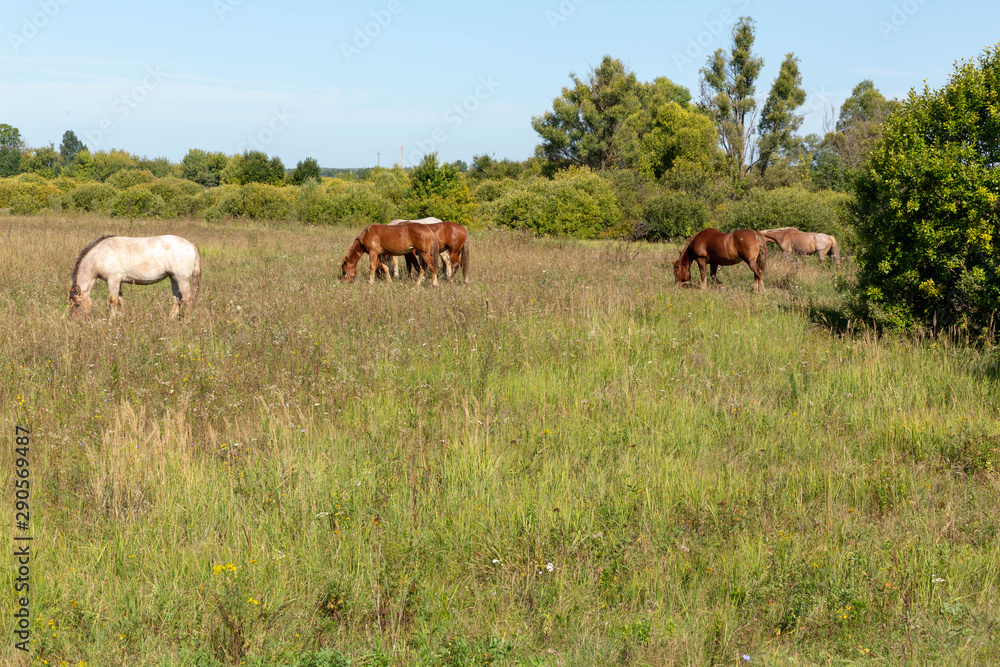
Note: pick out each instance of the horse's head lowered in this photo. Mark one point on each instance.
(682, 272)
(348, 270)
(80, 304)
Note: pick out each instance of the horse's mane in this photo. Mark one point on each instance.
(685, 248)
(83, 253)
(350, 248)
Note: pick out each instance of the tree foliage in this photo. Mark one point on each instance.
(253, 167)
(304, 170)
(10, 150)
(613, 120)
(203, 167)
(727, 94)
(778, 120)
(842, 153)
(927, 206)
(70, 146)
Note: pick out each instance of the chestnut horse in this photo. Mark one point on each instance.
(791, 240)
(453, 238)
(138, 261)
(718, 249)
(391, 240)
(394, 272)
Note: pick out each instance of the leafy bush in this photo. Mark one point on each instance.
(28, 193)
(576, 203)
(25, 205)
(102, 165)
(126, 178)
(927, 207)
(351, 203)
(137, 201)
(823, 211)
(671, 215)
(257, 201)
(92, 197)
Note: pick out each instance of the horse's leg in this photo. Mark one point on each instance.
(175, 288)
(704, 274)
(115, 295)
(758, 275)
(448, 261)
(715, 278)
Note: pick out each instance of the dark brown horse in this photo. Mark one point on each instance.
(395, 240)
(718, 249)
(453, 240)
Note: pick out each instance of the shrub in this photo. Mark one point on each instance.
(576, 203)
(137, 201)
(257, 201)
(92, 197)
(351, 203)
(927, 207)
(823, 211)
(671, 215)
(126, 178)
(25, 205)
(179, 195)
(24, 187)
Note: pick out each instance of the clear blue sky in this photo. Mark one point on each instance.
(301, 78)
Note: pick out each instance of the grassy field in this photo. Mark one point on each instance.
(567, 462)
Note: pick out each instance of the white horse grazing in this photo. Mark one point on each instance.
(137, 261)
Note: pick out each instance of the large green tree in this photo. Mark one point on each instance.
(203, 167)
(304, 170)
(70, 146)
(11, 147)
(605, 122)
(778, 120)
(928, 217)
(253, 167)
(729, 83)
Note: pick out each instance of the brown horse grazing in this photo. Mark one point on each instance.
(453, 240)
(379, 240)
(791, 240)
(394, 272)
(718, 249)
(137, 261)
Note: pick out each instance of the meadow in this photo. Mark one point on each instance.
(568, 461)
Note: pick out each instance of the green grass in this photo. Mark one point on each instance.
(567, 462)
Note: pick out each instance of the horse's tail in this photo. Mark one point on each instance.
(762, 252)
(836, 249)
(465, 261)
(196, 277)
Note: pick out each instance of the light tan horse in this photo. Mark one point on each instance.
(136, 261)
(383, 240)
(791, 240)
